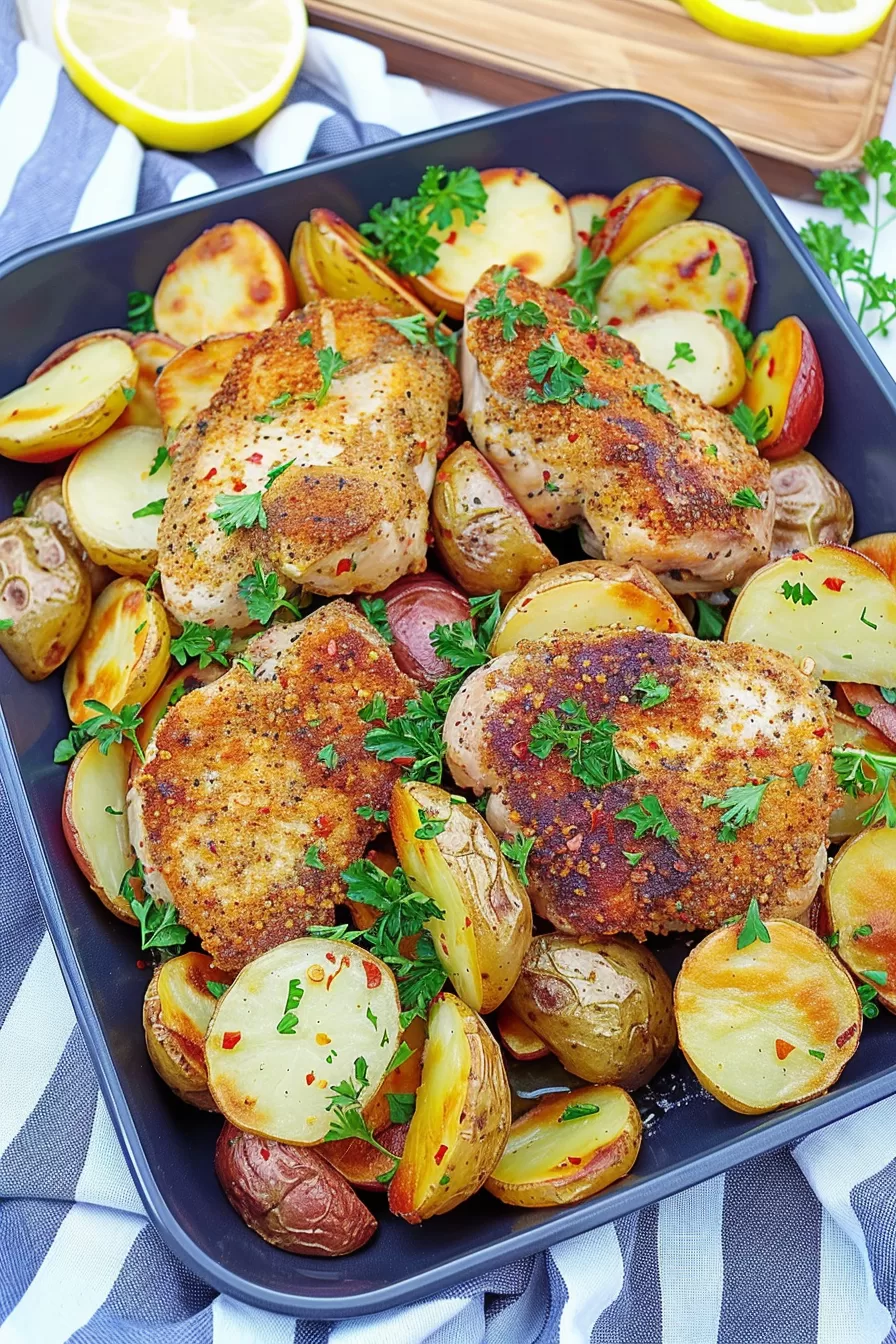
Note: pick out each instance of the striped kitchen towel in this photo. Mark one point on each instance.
(796, 1247)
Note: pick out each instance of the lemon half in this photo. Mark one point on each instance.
(192, 75)
(805, 27)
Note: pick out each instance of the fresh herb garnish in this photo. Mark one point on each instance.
(401, 233)
(330, 362)
(413, 328)
(863, 931)
(561, 375)
(312, 857)
(867, 995)
(154, 509)
(20, 503)
(140, 311)
(152, 580)
(159, 924)
(587, 745)
(7, 623)
(113, 811)
(584, 322)
(517, 851)
(235, 511)
(216, 988)
(106, 726)
(652, 396)
(277, 471)
(372, 814)
(716, 264)
(878, 977)
(429, 827)
(464, 644)
(746, 498)
(264, 595)
(374, 608)
(860, 772)
(652, 691)
(801, 773)
(647, 815)
(754, 427)
(863, 711)
(889, 694)
(162, 456)
(585, 285)
(817, 1054)
(753, 930)
(508, 313)
(740, 807)
(633, 859)
(401, 1106)
(288, 1022)
(683, 350)
(202, 642)
(328, 756)
(710, 619)
(578, 1110)
(864, 619)
(741, 333)
(800, 594)
(711, 450)
(346, 1120)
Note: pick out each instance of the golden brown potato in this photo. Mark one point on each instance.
(881, 548)
(641, 211)
(713, 367)
(677, 269)
(459, 1128)
(454, 858)
(46, 502)
(190, 380)
(517, 1039)
(603, 1006)
(95, 824)
(122, 656)
(77, 343)
(588, 595)
(153, 351)
(338, 264)
(567, 1148)
(850, 731)
(811, 506)
(866, 703)
(44, 597)
(291, 1197)
(860, 908)
(770, 1023)
(482, 536)
(786, 381)
(404, 1078)
(304, 267)
(177, 1009)
(587, 210)
(362, 1165)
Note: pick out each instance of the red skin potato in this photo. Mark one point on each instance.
(651, 195)
(883, 714)
(360, 1163)
(790, 374)
(415, 605)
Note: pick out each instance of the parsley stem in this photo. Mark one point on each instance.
(876, 230)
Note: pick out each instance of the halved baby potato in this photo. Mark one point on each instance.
(178, 683)
(70, 347)
(567, 1148)
(587, 210)
(44, 592)
(453, 857)
(768, 1024)
(70, 404)
(106, 486)
(153, 351)
(177, 1009)
(303, 266)
(588, 595)
(95, 823)
(404, 1079)
(693, 265)
(714, 366)
(786, 381)
(123, 654)
(881, 548)
(828, 603)
(850, 731)
(526, 224)
(299, 1019)
(233, 277)
(193, 376)
(860, 906)
(517, 1038)
(811, 506)
(47, 503)
(462, 1118)
(362, 1165)
(643, 210)
(341, 266)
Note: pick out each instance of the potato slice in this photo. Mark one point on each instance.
(677, 269)
(452, 856)
(867, 704)
(342, 268)
(567, 1148)
(122, 656)
(526, 224)
(881, 548)
(177, 1009)
(70, 404)
(153, 351)
(47, 503)
(44, 592)
(715, 369)
(769, 1024)
(852, 732)
(404, 1079)
(518, 1039)
(415, 605)
(587, 209)
(77, 343)
(303, 266)
(860, 906)
(178, 683)
(233, 277)
(786, 381)
(299, 1019)
(840, 612)
(643, 210)
(95, 823)
(190, 380)
(362, 1165)
(462, 1118)
(588, 595)
(105, 486)
(811, 506)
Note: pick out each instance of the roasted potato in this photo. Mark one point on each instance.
(304, 267)
(192, 377)
(233, 277)
(640, 212)
(587, 210)
(712, 366)
(364, 1166)
(95, 823)
(114, 498)
(177, 1009)
(827, 603)
(153, 351)
(177, 684)
(339, 265)
(482, 536)
(860, 908)
(122, 656)
(866, 703)
(850, 731)
(567, 1148)
(677, 269)
(46, 502)
(70, 404)
(517, 1039)
(811, 506)
(44, 592)
(292, 1197)
(77, 343)
(786, 381)
(459, 1128)
(414, 606)
(453, 857)
(603, 1006)
(881, 548)
(299, 1019)
(588, 595)
(767, 1024)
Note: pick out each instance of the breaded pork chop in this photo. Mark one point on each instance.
(735, 715)
(244, 813)
(351, 512)
(641, 484)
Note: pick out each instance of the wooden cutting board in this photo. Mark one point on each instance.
(811, 112)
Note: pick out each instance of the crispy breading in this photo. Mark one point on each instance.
(234, 792)
(736, 714)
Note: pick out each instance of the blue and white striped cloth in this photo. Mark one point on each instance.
(799, 1246)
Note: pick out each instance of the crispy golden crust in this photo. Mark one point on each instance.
(736, 714)
(233, 793)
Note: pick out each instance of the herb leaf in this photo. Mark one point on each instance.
(652, 691)
(140, 311)
(264, 595)
(329, 362)
(202, 642)
(753, 930)
(710, 619)
(652, 396)
(740, 807)
(154, 509)
(754, 427)
(502, 307)
(105, 726)
(800, 594)
(401, 232)
(683, 350)
(243, 510)
(587, 745)
(577, 1110)
(647, 815)
(517, 851)
(746, 499)
(374, 608)
(585, 285)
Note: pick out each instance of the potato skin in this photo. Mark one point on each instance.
(602, 1005)
(415, 605)
(46, 502)
(45, 591)
(178, 1066)
(811, 506)
(291, 1197)
(360, 1163)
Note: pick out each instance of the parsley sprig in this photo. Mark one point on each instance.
(160, 925)
(503, 308)
(651, 690)
(402, 232)
(346, 1119)
(587, 745)
(329, 362)
(753, 425)
(584, 286)
(264, 595)
(867, 772)
(740, 807)
(562, 376)
(648, 817)
(106, 726)
(374, 608)
(517, 851)
(243, 510)
(202, 642)
(753, 930)
(140, 311)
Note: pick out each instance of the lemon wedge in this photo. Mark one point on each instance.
(804, 27)
(192, 75)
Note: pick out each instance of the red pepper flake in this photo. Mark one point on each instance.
(441, 476)
(762, 752)
(141, 965)
(819, 732)
(440, 1153)
(256, 459)
(429, 538)
(735, 860)
(238, 487)
(616, 210)
(344, 565)
(783, 1049)
(265, 1153)
(519, 750)
(572, 437)
(309, 1078)
(373, 973)
(591, 339)
(209, 474)
(545, 475)
(834, 584)
(264, 811)
(713, 247)
(230, 1039)
(467, 922)
(612, 322)
(452, 238)
(574, 1161)
(331, 956)
(595, 814)
(799, 555)
(583, 234)
(331, 648)
(846, 1035)
(323, 825)
(771, 367)
(405, 760)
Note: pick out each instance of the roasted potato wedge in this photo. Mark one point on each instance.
(77, 343)
(868, 704)
(106, 486)
(414, 606)
(95, 823)
(588, 595)
(640, 212)
(362, 1165)
(153, 351)
(292, 1197)
(567, 1148)
(881, 548)
(294, 1023)
(304, 267)
(526, 224)
(517, 1039)
(453, 857)
(122, 656)
(786, 381)
(70, 404)
(404, 1078)
(604, 1007)
(191, 378)
(44, 592)
(341, 266)
(860, 908)
(459, 1128)
(677, 269)
(46, 502)
(176, 685)
(838, 608)
(587, 209)
(482, 536)
(712, 367)
(811, 506)
(177, 1009)
(233, 277)
(767, 1024)
(850, 731)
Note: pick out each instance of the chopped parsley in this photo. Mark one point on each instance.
(710, 619)
(652, 396)
(508, 313)
(584, 286)
(277, 471)
(216, 988)
(800, 594)
(152, 580)
(647, 816)
(517, 851)
(716, 264)
(711, 450)
(577, 1110)
(652, 691)
(753, 928)
(867, 995)
(329, 362)
(863, 931)
(372, 814)
(105, 727)
(401, 233)
(312, 857)
(329, 756)
(401, 1106)
(740, 807)
(753, 426)
(264, 595)
(414, 328)
(860, 772)
(561, 376)
(587, 745)
(746, 498)
(20, 503)
(863, 711)
(289, 1021)
(140, 311)
(154, 509)
(864, 619)
(632, 859)
(199, 641)
(801, 773)
(374, 608)
(683, 350)
(162, 456)
(234, 511)
(741, 333)
(429, 827)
